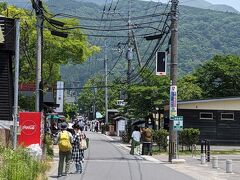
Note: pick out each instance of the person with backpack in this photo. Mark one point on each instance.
(147, 138)
(77, 150)
(64, 140)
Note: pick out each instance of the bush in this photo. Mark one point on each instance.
(49, 145)
(19, 164)
(104, 128)
(160, 137)
(188, 137)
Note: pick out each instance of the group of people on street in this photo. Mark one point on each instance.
(141, 136)
(70, 148)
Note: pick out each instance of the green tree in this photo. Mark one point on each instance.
(145, 97)
(70, 110)
(188, 89)
(220, 76)
(87, 96)
(56, 50)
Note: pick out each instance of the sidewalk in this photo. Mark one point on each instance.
(193, 166)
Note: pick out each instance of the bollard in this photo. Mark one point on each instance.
(228, 166)
(208, 151)
(203, 158)
(202, 146)
(215, 162)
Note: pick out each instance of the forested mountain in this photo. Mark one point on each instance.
(207, 5)
(93, 1)
(202, 34)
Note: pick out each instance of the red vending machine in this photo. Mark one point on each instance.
(31, 125)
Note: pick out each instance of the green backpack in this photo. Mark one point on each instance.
(64, 142)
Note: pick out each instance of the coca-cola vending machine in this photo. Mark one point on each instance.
(32, 127)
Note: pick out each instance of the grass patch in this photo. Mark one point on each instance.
(18, 165)
(226, 152)
(156, 151)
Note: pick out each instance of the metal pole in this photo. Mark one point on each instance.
(173, 72)
(106, 83)
(15, 115)
(94, 104)
(208, 151)
(39, 57)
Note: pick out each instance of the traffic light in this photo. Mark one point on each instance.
(161, 63)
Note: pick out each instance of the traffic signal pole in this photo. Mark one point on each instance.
(173, 77)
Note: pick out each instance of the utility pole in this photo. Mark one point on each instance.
(37, 4)
(129, 54)
(15, 113)
(94, 103)
(106, 83)
(173, 77)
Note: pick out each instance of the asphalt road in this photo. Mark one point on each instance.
(107, 159)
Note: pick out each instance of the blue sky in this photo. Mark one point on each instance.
(233, 3)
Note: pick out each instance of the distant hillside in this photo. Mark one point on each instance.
(223, 7)
(202, 34)
(207, 5)
(94, 1)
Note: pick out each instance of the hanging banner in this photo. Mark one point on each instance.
(60, 95)
(173, 102)
(32, 129)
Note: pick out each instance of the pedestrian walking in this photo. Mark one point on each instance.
(64, 140)
(77, 153)
(135, 145)
(147, 138)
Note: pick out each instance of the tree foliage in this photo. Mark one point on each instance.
(145, 97)
(220, 76)
(188, 89)
(70, 110)
(56, 50)
(87, 96)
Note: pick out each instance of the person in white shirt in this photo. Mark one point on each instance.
(135, 145)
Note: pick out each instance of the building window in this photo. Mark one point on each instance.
(227, 116)
(206, 115)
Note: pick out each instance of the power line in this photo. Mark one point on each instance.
(119, 19)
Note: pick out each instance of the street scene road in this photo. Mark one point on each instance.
(107, 159)
(154, 84)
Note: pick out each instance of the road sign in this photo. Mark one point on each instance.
(121, 103)
(177, 123)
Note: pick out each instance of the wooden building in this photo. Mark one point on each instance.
(7, 51)
(217, 119)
